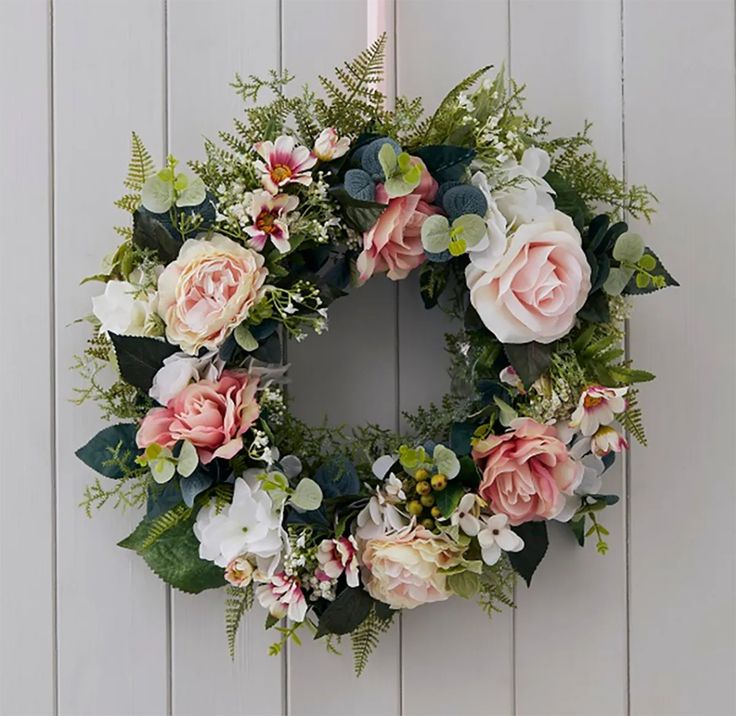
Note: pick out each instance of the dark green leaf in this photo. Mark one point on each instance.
(578, 529)
(535, 539)
(606, 499)
(530, 360)
(460, 435)
(450, 497)
(269, 351)
(150, 233)
(349, 610)
(659, 271)
(337, 477)
(445, 162)
(358, 215)
(140, 358)
(195, 485)
(468, 474)
(596, 309)
(99, 451)
(174, 557)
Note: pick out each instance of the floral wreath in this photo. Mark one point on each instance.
(516, 234)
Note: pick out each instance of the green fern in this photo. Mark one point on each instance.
(365, 638)
(141, 166)
(354, 100)
(497, 587)
(237, 603)
(164, 523)
(129, 202)
(631, 419)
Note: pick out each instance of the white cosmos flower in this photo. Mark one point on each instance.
(529, 197)
(122, 309)
(180, 369)
(250, 525)
(463, 516)
(497, 536)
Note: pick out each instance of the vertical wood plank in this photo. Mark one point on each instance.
(108, 79)
(208, 42)
(575, 610)
(439, 43)
(348, 374)
(679, 99)
(27, 587)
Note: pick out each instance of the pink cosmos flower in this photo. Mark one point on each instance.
(394, 243)
(284, 163)
(606, 440)
(329, 146)
(597, 406)
(283, 597)
(336, 556)
(526, 472)
(268, 213)
(213, 416)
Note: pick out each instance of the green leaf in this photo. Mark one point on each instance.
(388, 160)
(662, 278)
(567, 200)
(307, 495)
(530, 360)
(449, 498)
(505, 412)
(188, 459)
(174, 557)
(464, 584)
(343, 615)
(596, 309)
(647, 262)
(617, 280)
(194, 193)
(245, 339)
(446, 461)
(444, 161)
(157, 195)
(628, 247)
(162, 468)
(116, 441)
(642, 280)
(578, 529)
(150, 233)
(139, 358)
(535, 539)
(194, 485)
(358, 215)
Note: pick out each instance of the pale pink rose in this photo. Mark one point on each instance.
(526, 472)
(213, 416)
(208, 291)
(394, 243)
(336, 556)
(403, 569)
(537, 287)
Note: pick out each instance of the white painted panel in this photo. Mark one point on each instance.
(680, 123)
(575, 610)
(349, 373)
(438, 44)
(206, 47)
(108, 74)
(26, 375)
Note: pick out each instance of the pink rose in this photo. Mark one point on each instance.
(394, 242)
(208, 291)
(537, 286)
(527, 471)
(211, 415)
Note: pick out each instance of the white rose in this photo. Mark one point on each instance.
(124, 310)
(529, 197)
(535, 290)
(181, 369)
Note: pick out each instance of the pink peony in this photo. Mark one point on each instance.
(403, 569)
(211, 415)
(526, 472)
(394, 242)
(208, 291)
(534, 291)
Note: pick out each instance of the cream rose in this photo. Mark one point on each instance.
(538, 285)
(208, 291)
(403, 569)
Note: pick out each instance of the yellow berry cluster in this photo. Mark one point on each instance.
(420, 493)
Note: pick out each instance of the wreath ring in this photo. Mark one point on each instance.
(516, 234)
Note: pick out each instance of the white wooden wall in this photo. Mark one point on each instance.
(647, 630)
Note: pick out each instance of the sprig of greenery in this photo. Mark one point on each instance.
(237, 603)
(365, 638)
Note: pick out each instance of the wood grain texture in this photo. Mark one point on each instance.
(27, 638)
(203, 57)
(438, 44)
(680, 123)
(576, 606)
(108, 79)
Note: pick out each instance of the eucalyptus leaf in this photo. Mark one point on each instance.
(628, 247)
(618, 278)
(245, 339)
(446, 461)
(307, 495)
(194, 193)
(469, 227)
(194, 485)
(162, 468)
(188, 459)
(436, 233)
(157, 195)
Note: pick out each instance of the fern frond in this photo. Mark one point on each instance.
(125, 231)
(497, 587)
(163, 523)
(141, 166)
(632, 419)
(129, 203)
(365, 638)
(237, 603)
